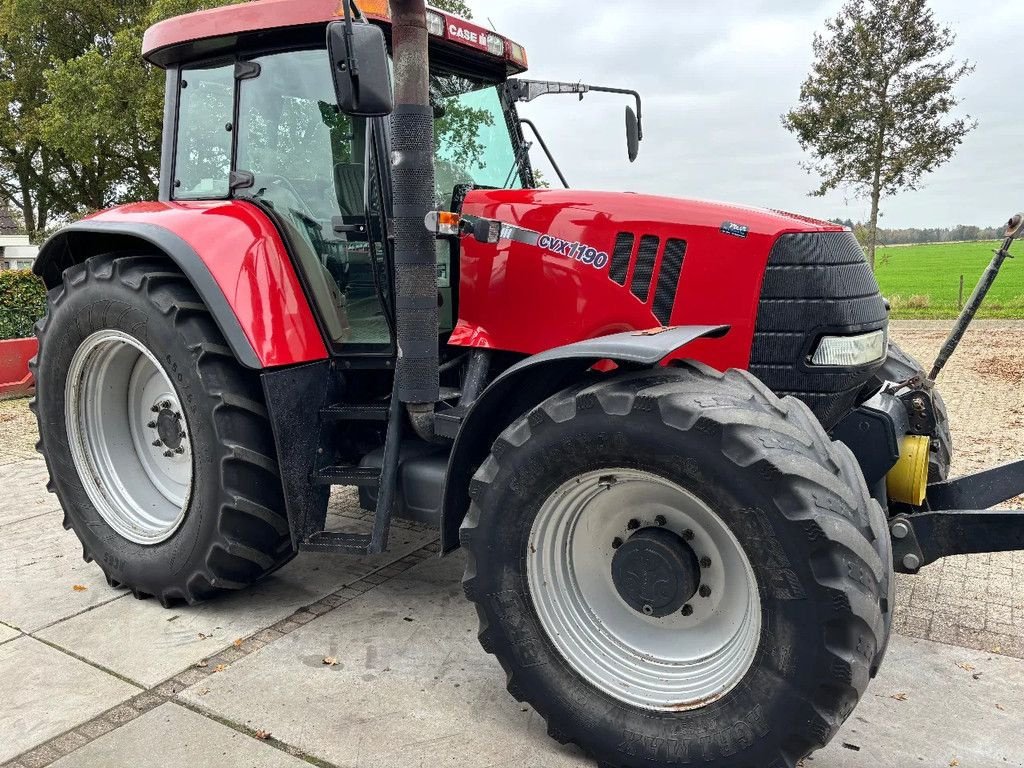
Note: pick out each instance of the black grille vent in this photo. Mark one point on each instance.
(644, 271)
(668, 280)
(620, 257)
(815, 283)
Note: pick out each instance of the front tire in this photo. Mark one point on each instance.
(789, 546)
(157, 441)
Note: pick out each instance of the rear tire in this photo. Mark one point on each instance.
(794, 501)
(230, 528)
(899, 367)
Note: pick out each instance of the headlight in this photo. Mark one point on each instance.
(850, 351)
(435, 24)
(495, 45)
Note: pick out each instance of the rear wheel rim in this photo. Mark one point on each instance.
(682, 661)
(129, 438)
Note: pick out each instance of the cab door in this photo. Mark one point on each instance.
(312, 167)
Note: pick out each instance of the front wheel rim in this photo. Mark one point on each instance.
(129, 437)
(677, 662)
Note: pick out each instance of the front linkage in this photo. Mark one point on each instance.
(955, 517)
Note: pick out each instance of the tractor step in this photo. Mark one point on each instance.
(355, 413)
(346, 475)
(339, 543)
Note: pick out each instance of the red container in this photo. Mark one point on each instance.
(15, 378)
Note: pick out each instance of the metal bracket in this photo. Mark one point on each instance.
(906, 552)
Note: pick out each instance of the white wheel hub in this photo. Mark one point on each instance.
(674, 624)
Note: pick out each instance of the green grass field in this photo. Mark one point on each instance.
(922, 281)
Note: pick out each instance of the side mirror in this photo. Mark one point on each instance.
(632, 134)
(359, 62)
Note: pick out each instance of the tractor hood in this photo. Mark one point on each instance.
(570, 265)
(605, 262)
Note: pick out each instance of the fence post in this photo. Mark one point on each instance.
(960, 300)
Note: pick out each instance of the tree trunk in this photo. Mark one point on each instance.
(28, 213)
(873, 226)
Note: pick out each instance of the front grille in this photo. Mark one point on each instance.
(644, 270)
(668, 280)
(620, 257)
(816, 283)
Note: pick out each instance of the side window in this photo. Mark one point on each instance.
(202, 164)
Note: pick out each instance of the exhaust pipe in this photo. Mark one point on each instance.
(417, 380)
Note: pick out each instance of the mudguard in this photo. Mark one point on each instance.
(533, 380)
(233, 256)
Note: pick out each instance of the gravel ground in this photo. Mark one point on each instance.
(975, 601)
(17, 432)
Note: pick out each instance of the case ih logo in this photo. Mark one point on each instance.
(467, 33)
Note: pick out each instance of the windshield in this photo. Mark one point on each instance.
(474, 145)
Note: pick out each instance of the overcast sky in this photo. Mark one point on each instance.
(716, 76)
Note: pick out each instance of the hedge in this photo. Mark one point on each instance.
(22, 302)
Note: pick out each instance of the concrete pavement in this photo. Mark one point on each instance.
(90, 677)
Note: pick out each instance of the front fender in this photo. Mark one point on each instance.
(231, 253)
(529, 383)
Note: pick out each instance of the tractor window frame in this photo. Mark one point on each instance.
(173, 182)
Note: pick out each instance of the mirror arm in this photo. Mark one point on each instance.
(551, 158)
(350, 60)
(519, 89)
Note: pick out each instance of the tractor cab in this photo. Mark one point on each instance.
(257, 119)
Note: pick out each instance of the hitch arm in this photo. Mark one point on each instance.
(978, 490)
(923, 538)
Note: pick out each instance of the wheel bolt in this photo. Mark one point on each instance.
(169, 454)
(633, 524)
(616, 542)
(157, 443)
(687, 610)
(705, 562)
(152, 425)
(167, 404)
(155, 409)
(179, 450)
(660, 520)
(705, 590)
(688, 534)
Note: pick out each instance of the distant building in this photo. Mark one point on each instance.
(16, 252)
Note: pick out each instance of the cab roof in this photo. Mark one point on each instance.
(219, 31)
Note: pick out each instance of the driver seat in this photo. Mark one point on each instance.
(349, 185)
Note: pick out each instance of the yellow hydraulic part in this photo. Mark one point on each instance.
(907, 482)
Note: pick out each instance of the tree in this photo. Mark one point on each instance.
(874, 111)
(458, 7)
(82, 127)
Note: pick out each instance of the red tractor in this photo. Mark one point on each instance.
(672, 436)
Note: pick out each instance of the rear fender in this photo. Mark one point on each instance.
(533, 380)
(230, 252)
